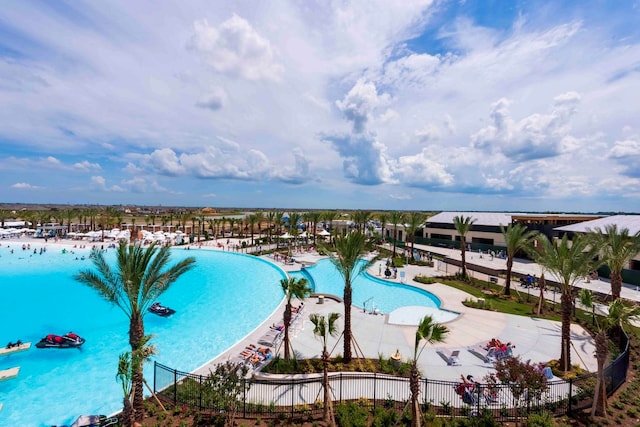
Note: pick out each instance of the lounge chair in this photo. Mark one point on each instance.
(451, 357)
(270, 339)
(501, 354)
(487, 355)
(94, 421)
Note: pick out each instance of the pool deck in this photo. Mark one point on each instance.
(534, 339)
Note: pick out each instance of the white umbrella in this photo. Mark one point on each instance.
(286, 236)
(324, 233)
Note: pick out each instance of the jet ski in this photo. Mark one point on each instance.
(69, 340)
(160, 310)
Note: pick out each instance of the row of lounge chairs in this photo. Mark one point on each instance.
(274, 336)
(255, 357)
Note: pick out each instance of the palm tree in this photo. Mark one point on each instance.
(415, 221)
(252, 219)
(330, 216)
(125, 374)
(349, 261)
(463, 225)
(617, 248)
(279, 221)
(44, 217)
(29, 218)
(516, 238)
(314, 217)
(259, 220)
(395, 218)
(140, 277)
(292, 288)
(69, 214)
(384, 220)
(569, 263)
(212, 226)
(271, 217)
(323, 327)
(232, 225)
(4, 214)
(361, 218)
(431, 333)
(294, 219)
(619, 315)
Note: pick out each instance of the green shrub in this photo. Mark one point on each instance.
(385, 418)
(426, 280)
(543, 419)
(351, 415)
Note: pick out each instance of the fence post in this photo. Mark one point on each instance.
(200, 390)
(292, 395)
(570, 396)
(340, 387)
(244, 397)
(426, 391)
(175, 387)
(375, 383)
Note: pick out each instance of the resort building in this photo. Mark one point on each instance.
(486, 231)
(484, 234)
(631, 222)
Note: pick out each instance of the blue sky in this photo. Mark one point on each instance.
(412, 104)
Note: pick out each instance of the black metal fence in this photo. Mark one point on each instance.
(300, 398)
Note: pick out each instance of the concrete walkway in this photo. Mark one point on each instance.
(534, 339)
(523, 267)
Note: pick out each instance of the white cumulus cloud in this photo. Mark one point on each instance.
(237, 49)
(535, 136)
(359, 104)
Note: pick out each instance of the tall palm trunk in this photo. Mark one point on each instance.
(616, 284)
(463, 255)
(128, 417)
(395, 240)
(347, 321)
(566, 305)
(414, 386)
(135, 338)
(507, 284)
(542, 286)
(600, 395)
(325, 385)
(287, 323)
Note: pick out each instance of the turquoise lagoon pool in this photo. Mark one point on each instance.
(368, 291)
(219, 302)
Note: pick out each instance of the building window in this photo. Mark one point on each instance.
(440, 236)
(482, 241)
